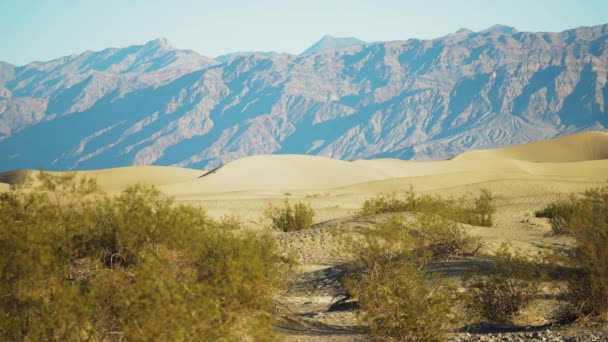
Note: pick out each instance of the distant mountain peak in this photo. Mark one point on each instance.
(464, 30)
(500, 29)
(162, 43)
(329, 42)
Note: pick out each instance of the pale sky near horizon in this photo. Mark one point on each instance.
(44, 29)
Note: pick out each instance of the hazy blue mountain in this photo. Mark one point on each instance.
(226, 57)
(421, 99)
(500, 29)
(7, 72)
(463, 30)
(329, 42)
(76, 83)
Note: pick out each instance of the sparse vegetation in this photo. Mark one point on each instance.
(79, 265)
(439, 239)
(560, 214)
(484, 209)
(398, 298)
(230, 222)
(510, 285)
(403, 303)
(585, 218)
(478, 211)
(288, 218)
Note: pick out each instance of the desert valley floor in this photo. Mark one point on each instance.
(523, 178)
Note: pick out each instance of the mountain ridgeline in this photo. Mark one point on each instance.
(414, 99)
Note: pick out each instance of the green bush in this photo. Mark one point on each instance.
(230, 222)
(478, 211)
(398, 298)
(289, 218)
(587, 262)
(511, 284)
(389, 204)
(79, 265)
(425, 238)
(561, 214)
(440, 239)
(403, 303)
(483, 213)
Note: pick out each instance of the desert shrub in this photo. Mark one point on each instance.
(478, 211)
(397, 297)
(403, 303)
(561, 214)
(510, 285)
(439, 238)
(230, 222)
(79, 265)
(390, 204)
(425, 238)
(288, 218)
(483, 213)
(587, 263)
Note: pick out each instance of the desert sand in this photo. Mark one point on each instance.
(117, 179)
(523, 178)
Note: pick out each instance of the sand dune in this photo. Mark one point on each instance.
(583, 156)
(283, 173)
(14, 176)
(280, 172)
(579, 157)
(117, 179)
(575, 147)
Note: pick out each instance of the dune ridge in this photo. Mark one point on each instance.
(117, 179)
(583, 146)
(582, 156)
(579, 155)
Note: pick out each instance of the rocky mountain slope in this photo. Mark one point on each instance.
(421, 99)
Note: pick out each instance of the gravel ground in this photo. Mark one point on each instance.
(545, 335)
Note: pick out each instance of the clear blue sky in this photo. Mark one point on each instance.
(46, 29)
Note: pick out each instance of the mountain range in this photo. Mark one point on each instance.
(342, 98)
